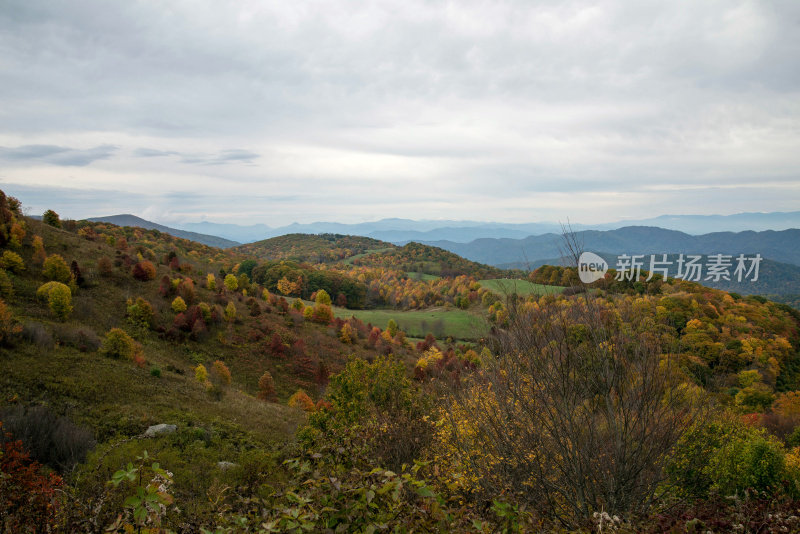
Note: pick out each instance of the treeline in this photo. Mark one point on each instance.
(302, 280)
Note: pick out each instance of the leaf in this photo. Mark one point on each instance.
(140, 514)
(425, 491)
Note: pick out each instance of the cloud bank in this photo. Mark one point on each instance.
(514, 111)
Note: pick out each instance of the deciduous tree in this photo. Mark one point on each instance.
(51, 217)
(266, 387)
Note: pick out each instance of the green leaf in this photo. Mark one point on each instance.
(140, 515)
(425, 491)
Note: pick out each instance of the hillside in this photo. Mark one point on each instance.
(196, 336)
(311, 248)
(134, 221)
(57, 361)
(420, 258)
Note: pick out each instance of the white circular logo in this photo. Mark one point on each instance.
(591, 267)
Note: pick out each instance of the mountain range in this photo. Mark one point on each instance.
(782, 246)
(464, 231)
(779, 248)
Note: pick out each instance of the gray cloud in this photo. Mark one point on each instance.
(57, 155)
(153, 153)
(496, 100)
(220, 158)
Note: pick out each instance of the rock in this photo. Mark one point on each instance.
(159, 430)
(226, 465)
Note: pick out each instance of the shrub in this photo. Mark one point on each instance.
(231, 283)
(28, 497)
(266, 387)
(118, 344)
(50, 439)
(178, 305)
(39, 254)
(58, 296)
(757, 397)
(17, 235)
(12, 262)
(582, 418)
(144, 271)
(140, 313)
(6, 286)
(84, 339)
(8, 327)
(300, 399)
(105, 267)
(186, 290)
(346, 334)
(392, 328)
(276, 345)
(37, 334)
(230, 312)
(51, 217)
(728, 457)
(55, 268)
(322, 297)
(155, 371)
(200, 373)
(379, 403)
(243, 282)
(222, 372)
(77, 275)
(60, 301)
(322, 314)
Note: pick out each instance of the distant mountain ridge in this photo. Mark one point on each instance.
(782, 246)
(397, 230)
(132, 220)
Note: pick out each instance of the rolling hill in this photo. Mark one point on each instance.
(134, 221)
(118, 341)
(313, 248)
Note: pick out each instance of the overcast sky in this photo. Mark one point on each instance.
(341, 110)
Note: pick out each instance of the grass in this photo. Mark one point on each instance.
(442, 322)
(504, 286)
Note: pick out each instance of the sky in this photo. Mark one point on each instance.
(349, 111)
